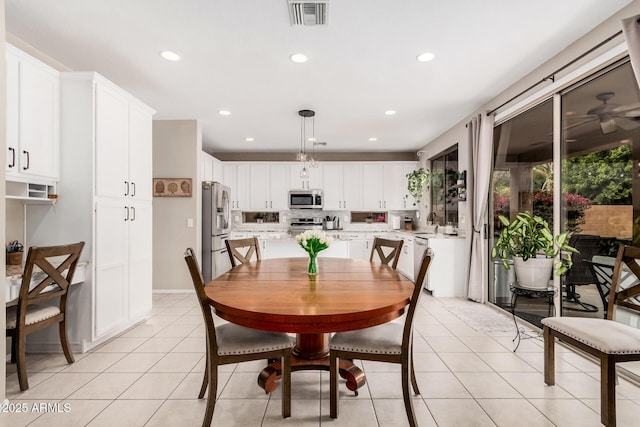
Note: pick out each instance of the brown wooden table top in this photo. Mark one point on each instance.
(277, 295)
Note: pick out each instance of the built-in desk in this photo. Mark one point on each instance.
(14, 279)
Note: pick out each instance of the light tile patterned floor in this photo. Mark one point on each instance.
(150, 376)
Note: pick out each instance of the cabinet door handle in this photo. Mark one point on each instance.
(13, 157)
(133, 213)
(126, 184)
(339, 203)
(133, 189)
(379, 204)
(271, 204)
(126, 216)
(28, 159)
(344, 203)
(266, 204)
(385, 204)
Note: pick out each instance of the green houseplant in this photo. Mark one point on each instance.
(528, 238)
(418, 182)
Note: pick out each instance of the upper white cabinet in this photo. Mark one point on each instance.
(237, 176)
(386, 184)
(312, 181)
(269, 186)
(33, 117)
(212, 169)
(343, 186)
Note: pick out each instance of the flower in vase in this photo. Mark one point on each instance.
(314, 241)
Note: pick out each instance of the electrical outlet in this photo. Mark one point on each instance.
(189, 222)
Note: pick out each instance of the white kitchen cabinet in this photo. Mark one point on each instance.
(386, 185)
(313, 181)
(269, 186)
(446, 277)
(237, 177)
(106, 202)
(343, 186)
(212, 169)
(33, 117)
(405, 262)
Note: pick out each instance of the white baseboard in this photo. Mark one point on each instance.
(173, 291)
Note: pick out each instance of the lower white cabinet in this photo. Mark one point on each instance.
(446, 275)
(405, 262)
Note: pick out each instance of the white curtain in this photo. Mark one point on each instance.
(631, 30)
(480, 130)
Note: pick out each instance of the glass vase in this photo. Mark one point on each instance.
(312, 269)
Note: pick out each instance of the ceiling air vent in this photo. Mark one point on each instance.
(308, 12)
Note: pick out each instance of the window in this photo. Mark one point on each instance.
(444, 192)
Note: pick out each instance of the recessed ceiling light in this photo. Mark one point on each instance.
(570, 140)
(625, 141)
(570, 113)
(373, 139)
(425, 57)
(390, 112)
(224, 112)
(170, 56)
(298, 58)
(249, 139)
(311, 139)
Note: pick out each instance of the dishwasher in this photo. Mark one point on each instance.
(420, 245)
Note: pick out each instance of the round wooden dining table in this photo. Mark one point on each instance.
(278, 295)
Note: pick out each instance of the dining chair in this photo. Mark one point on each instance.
(390, 342)
(230, 343)
(236, 247)
(51, 268)
(379, 247)
(606, 339)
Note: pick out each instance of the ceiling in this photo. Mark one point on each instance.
(235, 57)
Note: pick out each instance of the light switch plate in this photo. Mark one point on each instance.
(189, 222)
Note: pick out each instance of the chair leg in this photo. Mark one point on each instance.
(286, 383)
(333, 385)
(549, 357)
(205, 377)
(608, 391)
(14, 354)
(414, 382)
(64, 342)
(406, 393)
(212, 373)
(21, 361)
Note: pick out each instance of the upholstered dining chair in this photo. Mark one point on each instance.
(236, 247)
(393, 247)
(230, 343)
(608, 340)
(43, 303)
(390, 342)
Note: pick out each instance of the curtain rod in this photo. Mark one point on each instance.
(552, 75)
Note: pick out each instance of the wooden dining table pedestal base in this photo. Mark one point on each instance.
(311, 352)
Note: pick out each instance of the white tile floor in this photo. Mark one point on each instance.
(150, 376)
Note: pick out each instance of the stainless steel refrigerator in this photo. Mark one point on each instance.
(216, 225)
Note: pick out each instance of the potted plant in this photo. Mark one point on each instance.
(418, 182)
(535, 250)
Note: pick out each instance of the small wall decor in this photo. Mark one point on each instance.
(171, 187)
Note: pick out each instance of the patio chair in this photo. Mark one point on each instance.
(390, 342)
(610, 341)
(379, 246)
(250, 246)
(580, 274)
(230, 343)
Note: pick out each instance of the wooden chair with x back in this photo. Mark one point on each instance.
(606, 339)
(393, 248)
(51, 270)
(242, 250)
(231, 343)
(390, 342)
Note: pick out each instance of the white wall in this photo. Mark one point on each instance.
(177, 145)
(3, 350)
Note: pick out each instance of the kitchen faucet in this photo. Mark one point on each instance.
(432, 217)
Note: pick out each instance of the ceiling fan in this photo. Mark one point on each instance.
(610, 116)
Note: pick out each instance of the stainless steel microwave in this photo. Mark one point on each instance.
(305, 199)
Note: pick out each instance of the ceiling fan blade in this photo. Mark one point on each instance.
(586, 121)
(626, 123)
(629, 108)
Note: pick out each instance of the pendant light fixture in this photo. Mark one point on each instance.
(302, 154)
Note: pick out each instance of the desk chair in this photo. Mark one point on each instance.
(390, 342)
(379, 246)
(249, 246)
(230, 343)
(606, 339)
(30, 315)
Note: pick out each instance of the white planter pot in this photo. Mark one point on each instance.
(533, 273)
